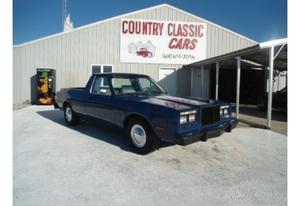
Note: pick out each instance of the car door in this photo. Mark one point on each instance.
(99, 102)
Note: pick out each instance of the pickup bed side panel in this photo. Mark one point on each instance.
(77, 99)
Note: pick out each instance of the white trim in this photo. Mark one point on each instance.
(238, 87)
(131, 13)
(276, 42)
(251, 62)
(101, 67)
(271, 84)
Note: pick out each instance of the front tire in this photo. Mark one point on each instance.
(140, 137)
(70, 117)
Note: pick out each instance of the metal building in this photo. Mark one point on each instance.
(107, 46)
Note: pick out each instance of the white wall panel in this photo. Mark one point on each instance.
(71, 54)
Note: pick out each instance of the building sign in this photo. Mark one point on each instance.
(167, 42)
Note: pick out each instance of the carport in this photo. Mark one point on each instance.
(267, 56)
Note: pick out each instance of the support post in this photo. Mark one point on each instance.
(238, 82)
(270, 94)
(217, 80)
(202, 80)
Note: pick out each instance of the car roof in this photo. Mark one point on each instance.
(120, 74)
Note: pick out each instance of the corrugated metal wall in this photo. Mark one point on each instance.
(196, 88)
(71, 54)
(279, 81)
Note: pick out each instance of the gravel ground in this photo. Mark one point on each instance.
(55, 164)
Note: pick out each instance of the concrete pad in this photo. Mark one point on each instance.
(55, 164)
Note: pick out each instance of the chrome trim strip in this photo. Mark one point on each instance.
(188, 112)
(224, 107)
(92, 85)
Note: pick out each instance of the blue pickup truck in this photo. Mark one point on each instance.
(138, 104)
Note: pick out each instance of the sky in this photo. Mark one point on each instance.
(260, 20)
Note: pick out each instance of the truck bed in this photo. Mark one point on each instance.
(62, 95)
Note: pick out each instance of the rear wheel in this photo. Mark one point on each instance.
(70, 117)
(140, 137)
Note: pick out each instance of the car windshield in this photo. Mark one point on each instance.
(132, 85)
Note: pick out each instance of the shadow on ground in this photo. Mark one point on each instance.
(103, 132)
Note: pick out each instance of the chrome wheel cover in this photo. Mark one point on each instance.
(138, 135)
(69, 114)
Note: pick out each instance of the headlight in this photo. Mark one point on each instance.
(188, 116)
(192, 117)
(225, 111)
(183, 119)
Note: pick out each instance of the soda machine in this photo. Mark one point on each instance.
(45, 86)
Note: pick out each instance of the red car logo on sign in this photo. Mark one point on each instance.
(144, 53)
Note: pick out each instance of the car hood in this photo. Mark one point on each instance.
(173, 102)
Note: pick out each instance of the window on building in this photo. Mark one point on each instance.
(101, 68)
(107, 69)
(96, 69)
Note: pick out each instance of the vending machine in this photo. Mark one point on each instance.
(45, 86)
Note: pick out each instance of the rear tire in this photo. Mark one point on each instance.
(71, 117)
(140, 136)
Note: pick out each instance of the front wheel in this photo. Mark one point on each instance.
(140, 137)
(70, 117)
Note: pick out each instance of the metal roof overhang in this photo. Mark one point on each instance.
(254, 56)
(272, 54)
